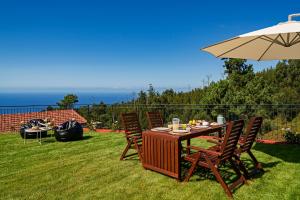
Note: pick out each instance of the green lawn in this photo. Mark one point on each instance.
(90, 169)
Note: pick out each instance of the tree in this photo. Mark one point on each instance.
(68, 101)
(142, 97)
(152, 95)
(49, 108)
(238, 66)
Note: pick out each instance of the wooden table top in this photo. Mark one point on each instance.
(184, 136)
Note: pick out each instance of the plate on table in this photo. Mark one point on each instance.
(214, 124)
(160, 129)
(180, 131)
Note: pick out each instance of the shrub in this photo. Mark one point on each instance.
(115, 126)
(90, 126)
(292, 138)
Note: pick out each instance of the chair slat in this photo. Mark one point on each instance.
(231, 138)
(154, 120)
(133, 132)
(252, 130)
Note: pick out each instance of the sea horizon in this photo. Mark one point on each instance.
(51, 98)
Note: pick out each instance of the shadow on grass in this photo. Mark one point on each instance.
(227, 173)
(286, 152)
(254, 173)
(86, 137)
(47, 141)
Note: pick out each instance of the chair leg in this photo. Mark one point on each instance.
(241, 166)
(241, 178)
(236, 170)
(192, 168)
(125, 150)
(219, 178)
(138, 150)
(256, 163)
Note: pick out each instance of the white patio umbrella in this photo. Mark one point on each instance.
(277, 42)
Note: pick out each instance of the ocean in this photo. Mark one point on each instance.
(51, 98)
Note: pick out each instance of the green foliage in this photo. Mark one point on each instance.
(68, 101)
(238, 66)
(242, 94)
(292, 137)
(49, 108)
(115, 126)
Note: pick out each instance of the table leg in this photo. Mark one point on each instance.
(188, 145)
(179, 160)
(40, 137)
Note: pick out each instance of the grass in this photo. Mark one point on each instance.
(90, 169)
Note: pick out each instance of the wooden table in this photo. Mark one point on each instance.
(162, 151)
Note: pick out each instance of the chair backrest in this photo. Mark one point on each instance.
(154, 119)
(231, 138)
(131, 124)
(251, 132)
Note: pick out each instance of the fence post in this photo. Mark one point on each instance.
(89, 114)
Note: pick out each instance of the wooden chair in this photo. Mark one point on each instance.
(245, 145)
(133, 133)
(213, 159)
(154, 119)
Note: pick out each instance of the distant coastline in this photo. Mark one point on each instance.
(51, 98)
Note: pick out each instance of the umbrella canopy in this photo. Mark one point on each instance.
(278, 42)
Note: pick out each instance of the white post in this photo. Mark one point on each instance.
(290, 18)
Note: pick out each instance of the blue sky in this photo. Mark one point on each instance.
(123, 44)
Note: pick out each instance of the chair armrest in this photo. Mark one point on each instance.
(206, 151)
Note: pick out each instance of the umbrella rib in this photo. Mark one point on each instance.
(276, 42)
(267, 39)
(238, 46)
(272, 40)
(268, 48)
(220, 42)
(294, 38)
(285, 44)
(296, 42)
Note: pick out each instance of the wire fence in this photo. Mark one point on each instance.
(278, 119)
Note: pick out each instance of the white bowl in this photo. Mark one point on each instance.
(205, 123)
